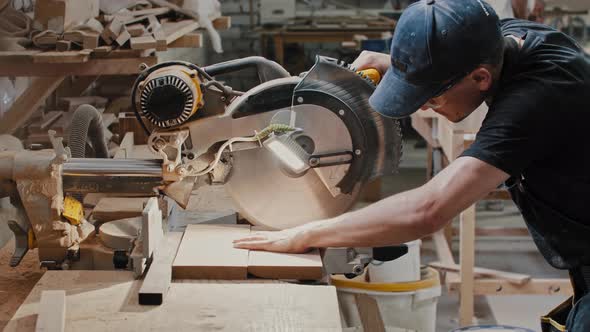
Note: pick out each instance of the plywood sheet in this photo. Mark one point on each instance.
(207, 252)
(108, 301)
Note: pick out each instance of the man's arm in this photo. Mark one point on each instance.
(397, 219)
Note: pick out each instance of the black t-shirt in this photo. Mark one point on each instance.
(537, 130)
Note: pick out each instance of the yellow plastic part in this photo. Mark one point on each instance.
(73, 210)
(199, 102)
(372, 74)
(430, 278)
(32, 242)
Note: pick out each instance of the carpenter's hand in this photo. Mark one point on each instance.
(368, 59)
(287, 241)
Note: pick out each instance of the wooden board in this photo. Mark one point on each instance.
(158, 278)
(272, 265)
(52, 311)
(190, 40)
(108, 301)
(207, 252)
(142, 43)
(113, 208)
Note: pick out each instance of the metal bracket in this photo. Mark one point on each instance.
(352, 261)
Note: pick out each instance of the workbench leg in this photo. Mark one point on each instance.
(467, 262)
(279, 49)
(28, 103)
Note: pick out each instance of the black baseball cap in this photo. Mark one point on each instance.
(436, 42)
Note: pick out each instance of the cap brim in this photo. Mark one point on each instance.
(396, 98)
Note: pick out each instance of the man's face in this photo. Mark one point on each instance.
(459, 101)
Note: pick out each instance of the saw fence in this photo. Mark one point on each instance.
(446, 141)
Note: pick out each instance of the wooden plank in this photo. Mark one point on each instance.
(369, 313)
(158, 278)
(537, 286)
(143, 43)
(72, 103)
(136, 30)
(113, 208)
(123, 37)
(467, 262)
(516, 278)
(272, 265)
(61, 57)
(28, 103)
(108, 301)
(52, 311)
(151, 227)
(423, 126)
(207, 252)
(175, 30)
(222, 23)
(190, 40)
(93, 67)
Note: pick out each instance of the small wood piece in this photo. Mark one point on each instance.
(90, 41)
(113, 208)
(190, 40)
(222, 23)
(136, 30)
(151, 227)
(537, 286)
(207, 252)
(112, 30)
(63, 45)
(123, 37)
(157, 281)
(143, 43)
(175, 30)
(52, 311)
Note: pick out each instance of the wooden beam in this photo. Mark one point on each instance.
(443, 250)
(52, 311)
(222, 23)
(190, 40)
(142, 43)
(516, 278)
(175, 30)
(93, 67)
(535, 286)
(157, 281)
(467, 262)
(28, 103)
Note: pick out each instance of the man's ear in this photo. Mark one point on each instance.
(483, 78)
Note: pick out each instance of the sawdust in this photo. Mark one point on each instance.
(16, 283)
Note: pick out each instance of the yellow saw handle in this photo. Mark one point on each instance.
(372, 73)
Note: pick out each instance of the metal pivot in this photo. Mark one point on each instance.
(21, 243)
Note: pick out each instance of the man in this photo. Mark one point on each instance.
(452, 55)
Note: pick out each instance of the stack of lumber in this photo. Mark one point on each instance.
(78, 27)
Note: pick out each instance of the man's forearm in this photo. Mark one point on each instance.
(394, 220)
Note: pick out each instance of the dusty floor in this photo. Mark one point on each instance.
(16, 283)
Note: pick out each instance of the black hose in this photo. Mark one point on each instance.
(86, 126)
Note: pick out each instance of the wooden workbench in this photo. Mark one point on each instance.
(108, 301)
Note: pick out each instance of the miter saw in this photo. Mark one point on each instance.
(289, 151)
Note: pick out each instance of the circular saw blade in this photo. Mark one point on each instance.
(266, 195)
